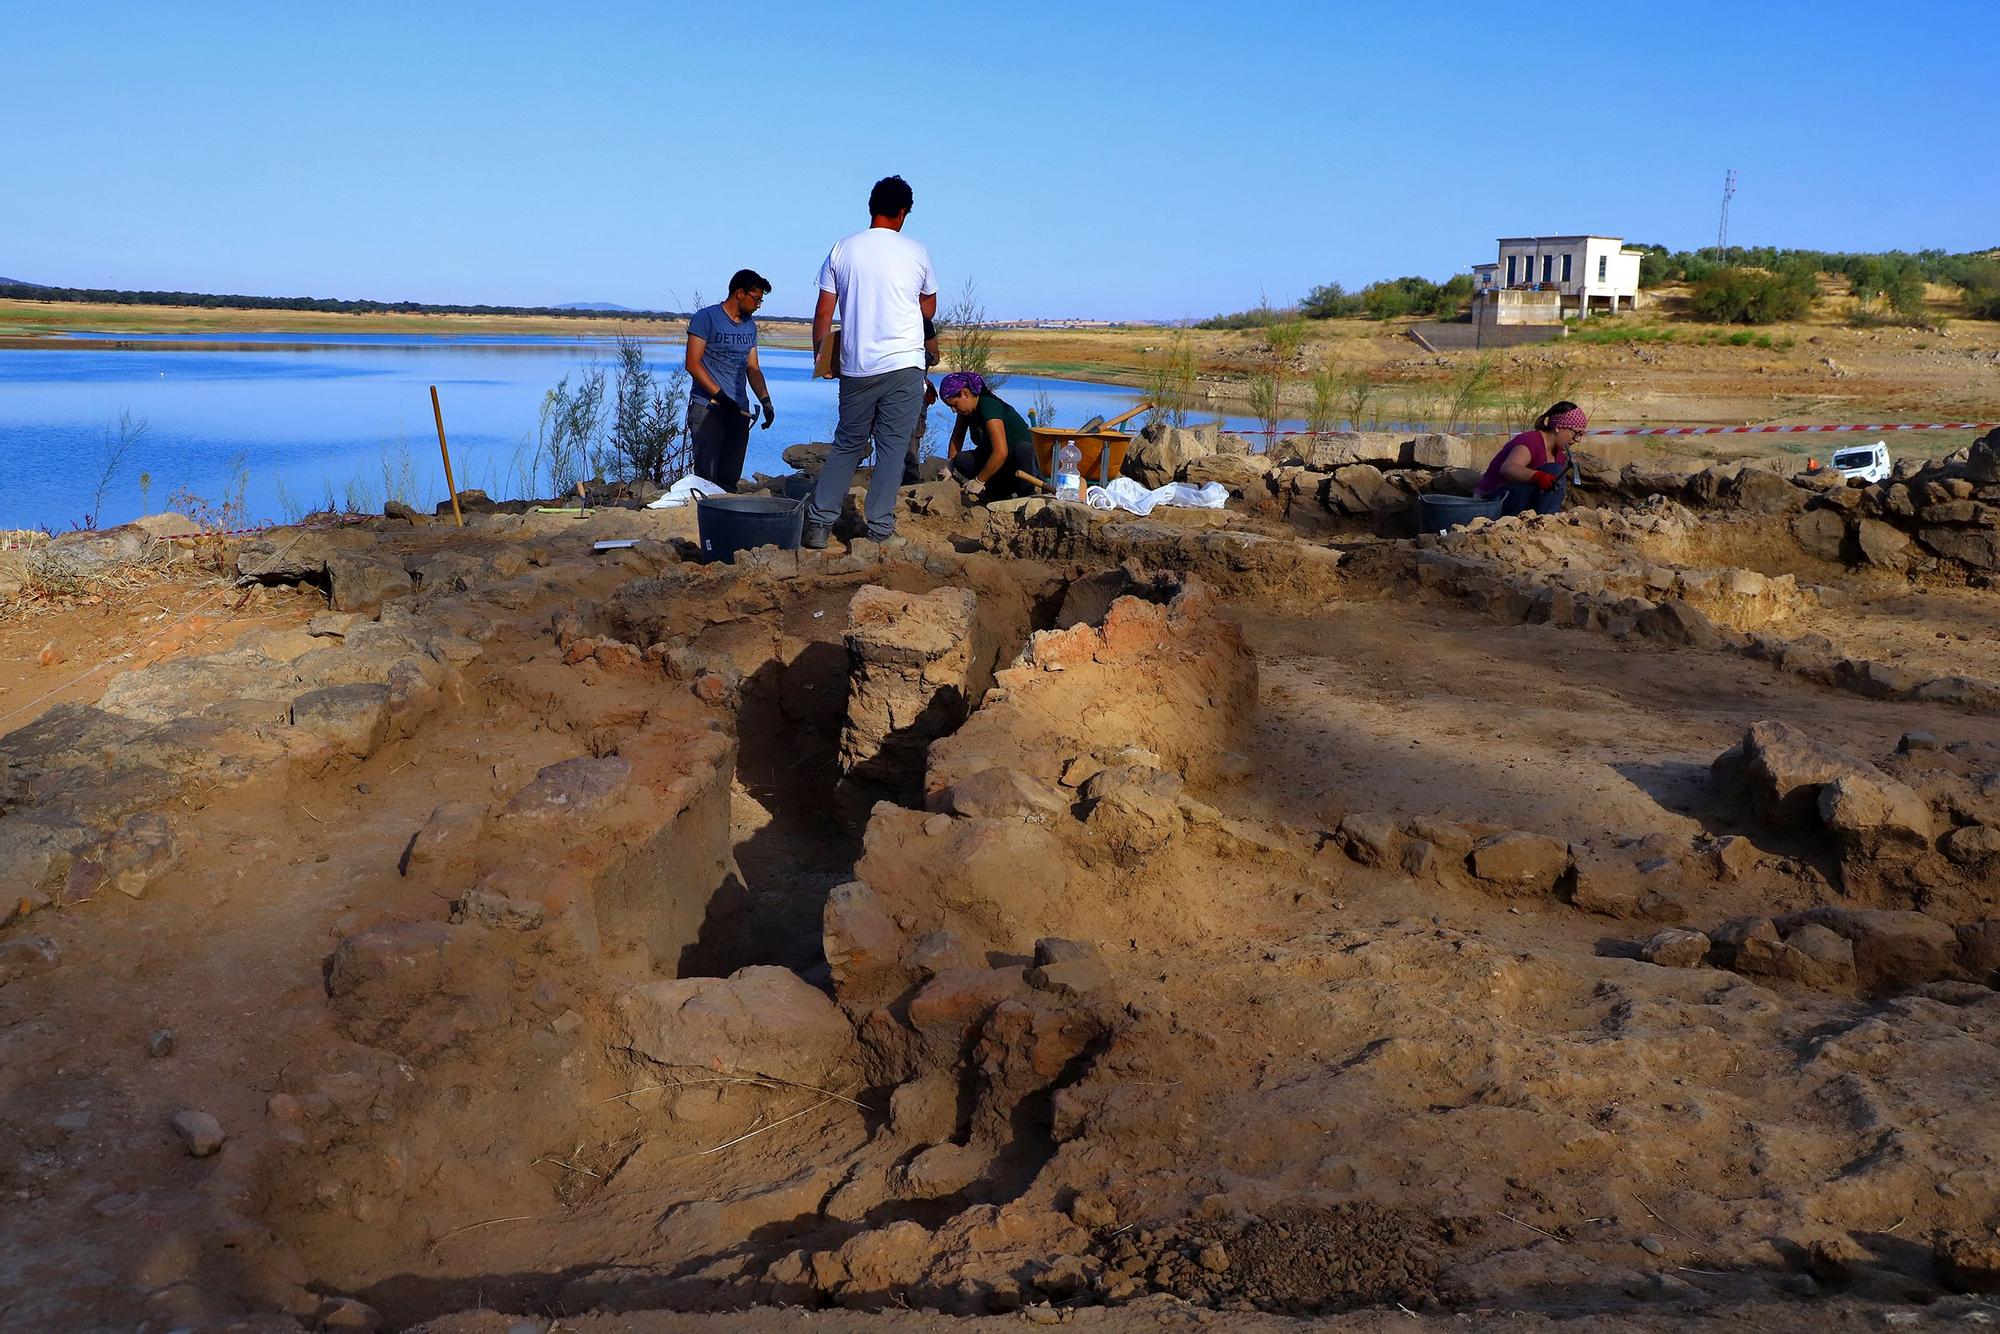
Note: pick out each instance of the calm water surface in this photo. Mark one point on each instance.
(319, 418)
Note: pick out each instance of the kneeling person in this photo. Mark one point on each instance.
(990, 441)
(1527, 473)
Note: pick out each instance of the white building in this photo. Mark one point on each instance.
(1586, 272)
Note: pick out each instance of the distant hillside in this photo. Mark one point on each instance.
(594, 305)
(209, 300)
(17, 282)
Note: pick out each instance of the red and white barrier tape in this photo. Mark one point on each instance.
(1870, 427)
(1730, 430)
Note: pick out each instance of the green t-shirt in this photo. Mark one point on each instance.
(993, 408)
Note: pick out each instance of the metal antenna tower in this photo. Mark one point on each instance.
(1722, 227)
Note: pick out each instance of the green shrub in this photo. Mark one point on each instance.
(1453, 294)
(647, 437)
(1257, 317)
(1330, 301)
(1753, 296)
(1399, 296)
(1980, 277)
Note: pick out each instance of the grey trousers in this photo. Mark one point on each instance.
(882, 409)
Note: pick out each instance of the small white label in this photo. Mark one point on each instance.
(1069, 483)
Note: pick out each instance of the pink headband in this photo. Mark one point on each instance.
(1574, 419)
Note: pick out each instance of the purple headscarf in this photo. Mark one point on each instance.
(959, 381)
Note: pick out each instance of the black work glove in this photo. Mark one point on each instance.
(770, 413)
(721, 402)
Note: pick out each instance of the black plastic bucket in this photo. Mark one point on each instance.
(729, 524)
(1437, 513)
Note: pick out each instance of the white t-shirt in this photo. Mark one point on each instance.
(877, 276)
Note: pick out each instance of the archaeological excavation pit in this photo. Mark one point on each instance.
(1063, 913)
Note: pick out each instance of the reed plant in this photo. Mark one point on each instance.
(1171, 380)
(1473, 388)
(119, 440)
(1357, 399)
(648, 440)
(216, 516)
(1324, 412)
(568, 428)
(967, 342)
(1042, 411)
(288, 504)
(1283, 340)
(1422, 405)
(1263, 392)
(1536, 385)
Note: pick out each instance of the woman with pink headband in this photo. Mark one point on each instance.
(1529, 469)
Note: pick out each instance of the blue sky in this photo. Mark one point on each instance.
(1122, 159)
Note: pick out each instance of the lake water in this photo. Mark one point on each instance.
(314, 419)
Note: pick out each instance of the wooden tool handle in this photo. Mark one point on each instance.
(1124, 417)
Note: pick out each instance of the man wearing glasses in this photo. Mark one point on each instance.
(721, 358)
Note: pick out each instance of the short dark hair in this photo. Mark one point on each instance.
(890, 196)
(749, 280)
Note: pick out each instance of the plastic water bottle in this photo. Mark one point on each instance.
(1069, 471)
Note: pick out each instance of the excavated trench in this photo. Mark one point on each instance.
(830, 708)
(530, 859)
(868, 930)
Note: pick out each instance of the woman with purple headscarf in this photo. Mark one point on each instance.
(990, 441)
(1529, 469)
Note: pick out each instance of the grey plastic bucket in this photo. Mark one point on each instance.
(729, 524)
(1437, 513)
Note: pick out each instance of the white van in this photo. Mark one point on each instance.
(1870, 463)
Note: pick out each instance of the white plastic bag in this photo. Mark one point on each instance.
(1122, 493)
(684, 491)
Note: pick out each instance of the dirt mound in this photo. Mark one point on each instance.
(1297, 1260)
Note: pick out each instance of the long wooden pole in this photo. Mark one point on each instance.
(1124, 417)
(445, 450)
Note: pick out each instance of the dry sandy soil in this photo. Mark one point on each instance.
(1241, 918)
(1814, 372)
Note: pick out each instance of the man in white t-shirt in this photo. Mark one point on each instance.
(881, 285)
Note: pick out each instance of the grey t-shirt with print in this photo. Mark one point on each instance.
(727, 355)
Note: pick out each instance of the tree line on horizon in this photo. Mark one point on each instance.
(1735, 285)
(233, 301)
